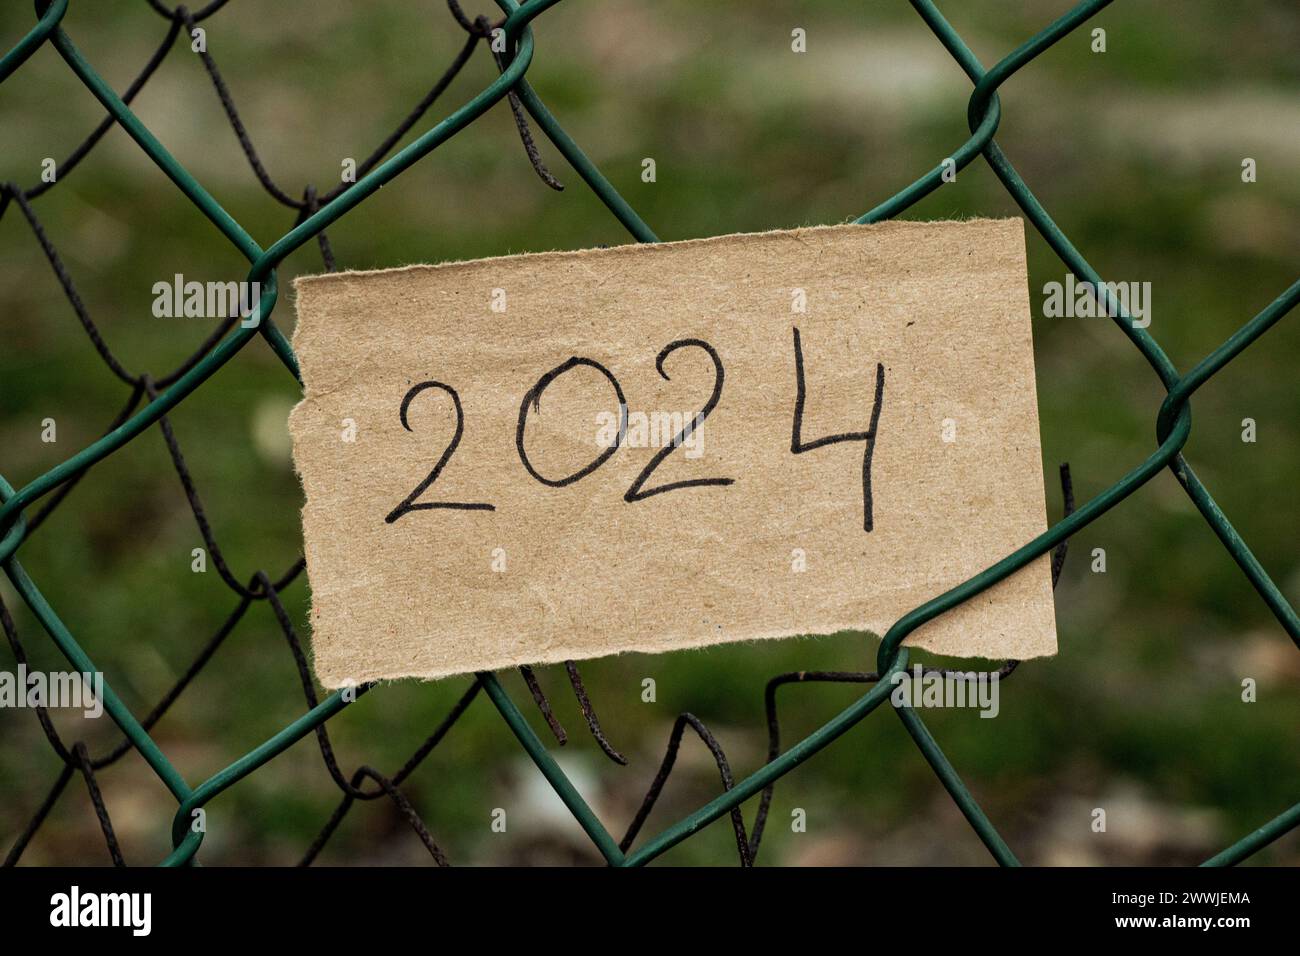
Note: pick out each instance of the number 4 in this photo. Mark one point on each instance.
(798, 446)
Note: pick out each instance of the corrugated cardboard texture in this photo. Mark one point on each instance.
(557, 573)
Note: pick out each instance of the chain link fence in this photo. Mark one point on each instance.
(150, 397)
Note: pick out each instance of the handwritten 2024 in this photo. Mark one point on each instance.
(638, 491)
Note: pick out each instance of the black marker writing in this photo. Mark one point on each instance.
(409, 503)
(798, 446)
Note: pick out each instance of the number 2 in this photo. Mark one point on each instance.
(635, 493)
(409, 503)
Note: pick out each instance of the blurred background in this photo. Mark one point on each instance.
(1137, 152)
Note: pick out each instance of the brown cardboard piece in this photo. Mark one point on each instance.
(557, 572)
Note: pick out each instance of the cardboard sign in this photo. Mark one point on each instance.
(566, 455)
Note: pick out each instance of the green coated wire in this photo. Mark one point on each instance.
(262, 262)
(184, 836)
(556, 777)
(956, 788)
(82, 663)
(29, 44)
